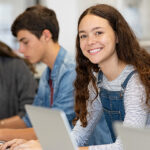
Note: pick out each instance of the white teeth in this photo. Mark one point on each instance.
(95, 50)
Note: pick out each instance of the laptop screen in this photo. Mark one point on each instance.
(51, 127)
(133, 138)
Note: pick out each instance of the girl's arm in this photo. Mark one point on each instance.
(94, 108)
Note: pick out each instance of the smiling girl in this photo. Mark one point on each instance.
(113, 75)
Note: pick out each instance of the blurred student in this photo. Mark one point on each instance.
(17, 87)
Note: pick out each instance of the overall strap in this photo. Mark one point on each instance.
(127, 79)
(100, 75)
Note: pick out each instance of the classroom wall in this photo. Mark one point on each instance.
(66, 12)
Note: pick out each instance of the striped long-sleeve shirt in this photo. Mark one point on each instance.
(134, 103)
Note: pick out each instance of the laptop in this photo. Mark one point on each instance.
(51, 127)
(133, 138)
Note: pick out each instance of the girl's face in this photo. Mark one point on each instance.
(97, 39)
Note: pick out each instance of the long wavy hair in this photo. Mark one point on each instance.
(6, 51)
(128, 51)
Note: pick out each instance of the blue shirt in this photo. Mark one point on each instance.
(63, 75)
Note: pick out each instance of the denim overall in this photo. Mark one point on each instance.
(113, 104)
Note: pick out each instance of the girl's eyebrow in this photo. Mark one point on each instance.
(95, 28)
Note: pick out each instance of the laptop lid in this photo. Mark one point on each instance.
(51, 127)
(133, 138)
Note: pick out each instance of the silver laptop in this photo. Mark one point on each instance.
(51, 127)
(133, 138)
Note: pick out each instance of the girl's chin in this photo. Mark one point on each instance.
(94, 62)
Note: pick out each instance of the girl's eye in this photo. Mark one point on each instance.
(82, 36)
(25, 42)
(98, 33)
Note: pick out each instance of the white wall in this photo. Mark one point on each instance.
(9, 10)
(145, 19)
(66, 11)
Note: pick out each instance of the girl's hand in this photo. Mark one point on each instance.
(83, 148)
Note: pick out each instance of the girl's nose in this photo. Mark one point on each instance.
(91, 40)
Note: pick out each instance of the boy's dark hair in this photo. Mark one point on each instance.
(35, 19)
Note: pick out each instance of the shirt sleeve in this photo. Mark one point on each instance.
(135, 112)
(94, 108)
(27, 120)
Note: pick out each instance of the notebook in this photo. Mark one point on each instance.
(51, 127)
(133, 138)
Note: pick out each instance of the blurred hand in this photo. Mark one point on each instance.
(33, 144)
(12, 144)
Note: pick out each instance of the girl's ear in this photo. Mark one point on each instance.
(47, 34)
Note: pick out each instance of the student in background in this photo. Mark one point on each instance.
(114, 72)
(17, 86)
(37, 31)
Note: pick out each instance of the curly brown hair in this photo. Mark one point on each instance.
(128, 51)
